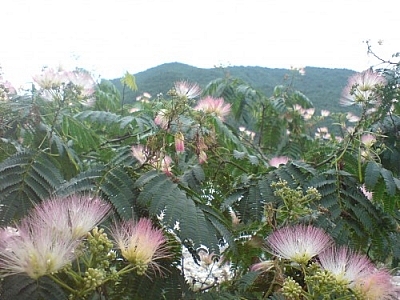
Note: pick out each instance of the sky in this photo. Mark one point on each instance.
(109, 38)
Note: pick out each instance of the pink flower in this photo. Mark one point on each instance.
(262, 266)
(140, 243)
(179, 142)
(345, 264)
(6, 89)
(138, 152)
(159, 161)
(50, 78)
(186, 89)
(278, 160)
(298, 243)
(162, 119)
(83, 81)
(72, 217)
(352, 118)
(361, 88)
(202, 157)
(325, 113)
(6, 234)
(366, 193)
(164, 164)
(368, 140)
(215, 106)
(37, 251)
(377, 285)
(308, 113)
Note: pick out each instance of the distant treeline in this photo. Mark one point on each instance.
(323, 86)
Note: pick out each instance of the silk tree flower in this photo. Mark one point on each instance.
(50, 78)
(187, 90)
(345, 264)
(298, 243)
(377, 285)
(278, 160)
(83, 80)
(368, 194)
(138, 152)
(6, 234)
(352, 118)
(141, 244)
(368, 140)
(262, 266)
(361, 88)
(325, 113)
(159, 161)
(6, 89)
(215, 106)
(164, 164)
(308, 113)
(162, 119)
(179, 142)
(72, 217)
(36, 251)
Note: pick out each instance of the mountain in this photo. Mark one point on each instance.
(323, 86)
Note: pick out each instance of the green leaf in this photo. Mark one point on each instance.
(372, 174)
(162, 196)
(22, 287)
(389, 181)
(26, 178)
(130, 81)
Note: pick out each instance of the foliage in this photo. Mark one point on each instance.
(213, 182)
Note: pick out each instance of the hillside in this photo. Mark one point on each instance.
(322, 86)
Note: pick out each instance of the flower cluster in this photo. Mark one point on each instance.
(141, 244)
(215, 106)
(362, 88)
(79, 83)
(172, 119)
(46, 240)
(340, 269)
(6, 89)
(157, 160)
(59, 238)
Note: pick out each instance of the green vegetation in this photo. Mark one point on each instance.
(237, 178)
(321, 85)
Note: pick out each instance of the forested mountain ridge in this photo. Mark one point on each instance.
(323, 86)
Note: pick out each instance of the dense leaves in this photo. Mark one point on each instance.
(209, 180)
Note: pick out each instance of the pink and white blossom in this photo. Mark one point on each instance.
(377, 285)
(36, 251)
(215, 106)
(262, 266)
(278, 160)
(361, 88)
(325, 113)
(366, 192)
(345, 264)
(83, 81)
(162, 119)
(352, 118)
(157, 160)
(71, 217)
(368, 140)
(179, 142)
(141, 244)
(298, 243)
(187, 90)
(50, 78)
(138, 152)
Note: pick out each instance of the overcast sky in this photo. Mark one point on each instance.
(114, 36)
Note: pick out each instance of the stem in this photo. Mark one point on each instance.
(61, 283)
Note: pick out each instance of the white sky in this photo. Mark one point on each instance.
(109, 37)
